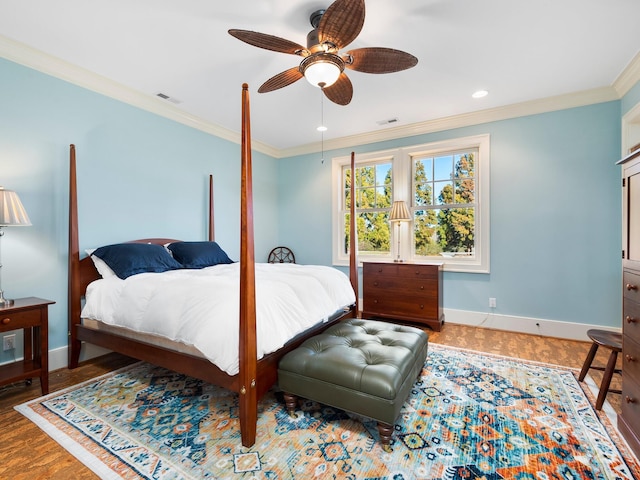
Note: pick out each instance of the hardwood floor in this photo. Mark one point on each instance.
(28, 453)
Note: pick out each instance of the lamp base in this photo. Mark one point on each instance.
(5, 302)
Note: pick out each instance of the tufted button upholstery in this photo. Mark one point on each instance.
(363, 366)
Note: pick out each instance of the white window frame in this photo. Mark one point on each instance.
(337, 164)
(401, 159)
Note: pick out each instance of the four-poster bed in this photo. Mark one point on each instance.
(255, 376)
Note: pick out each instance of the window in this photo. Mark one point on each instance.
(445, 185)
(444, 197)
(374, 193)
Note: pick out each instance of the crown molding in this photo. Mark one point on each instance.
(533, 107)
(629, 77)
(29, 57)
(38, 60)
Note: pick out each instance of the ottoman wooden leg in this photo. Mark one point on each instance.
(386, 431)
(291, 401)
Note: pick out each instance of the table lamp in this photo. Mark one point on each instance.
(12, 214)
(399, 213)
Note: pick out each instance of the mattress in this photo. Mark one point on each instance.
(197, 311)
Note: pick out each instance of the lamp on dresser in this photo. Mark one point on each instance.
(399, 213)
(12, 214)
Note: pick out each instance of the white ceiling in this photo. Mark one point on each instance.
(518, 50)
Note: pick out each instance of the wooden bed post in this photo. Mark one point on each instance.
(73, 307)
(353, 261)
(248, 343)
(212, 235)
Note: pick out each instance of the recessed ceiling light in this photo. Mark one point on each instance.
(480, 94)
(322, 128)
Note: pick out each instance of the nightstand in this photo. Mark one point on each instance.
(30, 315)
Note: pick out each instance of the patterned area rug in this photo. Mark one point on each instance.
(469, 416)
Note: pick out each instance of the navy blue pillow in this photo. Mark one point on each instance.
(198, 254)
(127, 259)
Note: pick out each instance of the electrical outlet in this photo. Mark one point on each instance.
(492, 302)
(9, 342)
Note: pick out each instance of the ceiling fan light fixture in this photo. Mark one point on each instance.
(322, 69)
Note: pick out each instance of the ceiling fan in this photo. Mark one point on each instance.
(322, 64)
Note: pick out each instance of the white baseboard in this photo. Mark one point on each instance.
(534, 326)
(510, 323)
(58, 357)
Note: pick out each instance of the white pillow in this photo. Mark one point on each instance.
(103, 269)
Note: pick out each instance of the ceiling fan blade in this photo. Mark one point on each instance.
(340, 92)
(379, 60)
(281, 80)
(269, 42)
(342, 22)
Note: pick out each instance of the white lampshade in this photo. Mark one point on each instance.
(399, 212)
(12, 213)
(322, 74)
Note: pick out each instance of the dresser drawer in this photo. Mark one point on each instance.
(631, 359)
(421, 286)
(631, 319)
(630, 403)
(402, 306)
(403, 270)
(631, 286)
(17, 320)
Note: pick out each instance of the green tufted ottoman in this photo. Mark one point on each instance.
(362, 366)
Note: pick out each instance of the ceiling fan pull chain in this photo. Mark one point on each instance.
(322, 125)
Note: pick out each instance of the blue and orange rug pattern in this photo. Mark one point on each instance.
(469, 416)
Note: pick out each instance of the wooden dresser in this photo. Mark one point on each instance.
(629, 418)
(403, 291)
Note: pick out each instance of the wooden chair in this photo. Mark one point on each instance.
(613, 342)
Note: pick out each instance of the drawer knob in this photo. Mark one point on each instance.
(629, 358)
(421, 305)
(628, 399)
(631, 287)
(421, 287)
(6, 321)
(630, 319)
(375, 301)
(375, 284)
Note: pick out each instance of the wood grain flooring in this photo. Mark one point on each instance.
(28, 453)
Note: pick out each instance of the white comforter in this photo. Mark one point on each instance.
(201, 307)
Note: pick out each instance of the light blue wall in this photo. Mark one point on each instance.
(139, 175)
(555, 215)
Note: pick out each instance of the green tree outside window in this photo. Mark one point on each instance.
(374, 195)
(444, 197)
